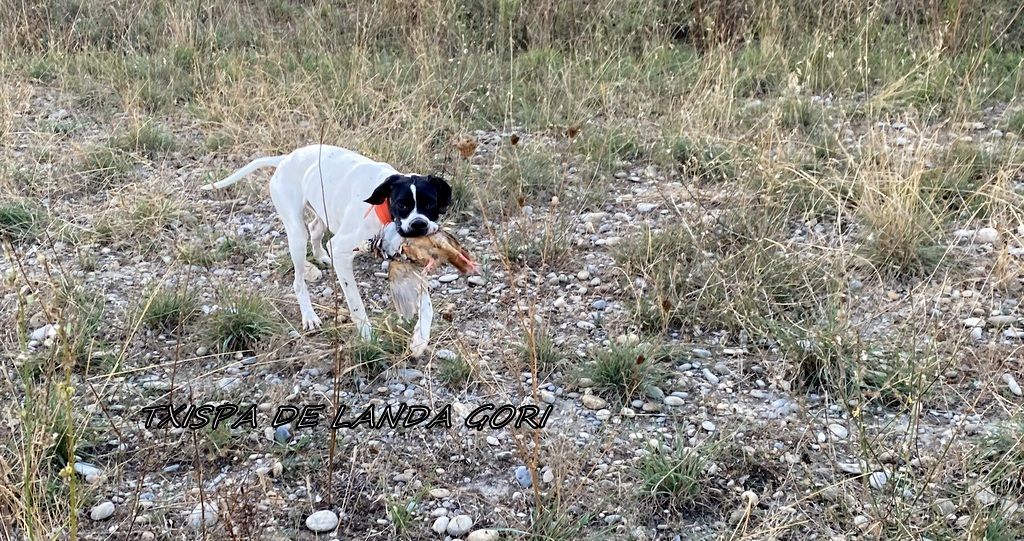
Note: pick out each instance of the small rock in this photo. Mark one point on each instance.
(440, 525)
(523, 477)
(282, 434)
(1002, 321)
(654, 392)
(483, 535)
(944, 507)
(600, 304)
(674, 401)
(838, 430)
(708, 425)
(985, 497)
(1011, 383)
(86, 470)
(448, 278)
(701, 353)
(987, 235)
(323, 520)
(459, 525)
(547, 397)
(645, 207)
(477, 280)
(710, 377)
(878, 479)
(202, 514)
(102, 511)
(977, 334)
(445, 354)
(593, 402)
(974, 322)
(440, 493)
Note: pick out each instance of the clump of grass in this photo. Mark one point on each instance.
(623, 371)
(958, 185)
(20, 221)
(243, 321)
(799, 113)
(235, 246)
(82, 316)
(530, 174)
(607, 148)
(105, 166)
(539, 349)
(676, 479)
(1001, 457)
(702, 160)
(735, 277)
(537, 249)
(165, 310)
(824, 353)
(146, 138)
(455, 371)
(900, 227)
(1014, 121)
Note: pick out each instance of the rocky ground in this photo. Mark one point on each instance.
(782, 462)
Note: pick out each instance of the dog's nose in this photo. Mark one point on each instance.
(418, 226)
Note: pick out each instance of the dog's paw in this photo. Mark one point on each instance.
(324, 260)
(311, 322)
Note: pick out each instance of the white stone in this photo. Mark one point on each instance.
(708, 425)
(1011, 383)
(674, 401)
(646, 207)
(459, 525)
(205, 514)
(323, 520)
(838, 430)
(878, 479)
(448, 278)
(440, 493)
(102, 511)
(440, 524)
(483, 535)
(987, 235)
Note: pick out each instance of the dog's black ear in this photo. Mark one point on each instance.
(444, 193)
(383, 191)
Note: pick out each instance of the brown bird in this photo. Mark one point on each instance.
(414, 256)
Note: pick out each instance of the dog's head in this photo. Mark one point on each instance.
(416, 202)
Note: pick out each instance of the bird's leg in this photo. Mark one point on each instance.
(430, 264)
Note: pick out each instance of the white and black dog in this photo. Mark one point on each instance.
(354, 197)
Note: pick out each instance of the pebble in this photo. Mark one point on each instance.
(282, 434)
(701, 353)
(708, 425)
(654, 392)
(600, 304)
(1011, 383)
(674, 401)
(483, 535)
(477, 280)
(977, 334)
(459, 525)
(1002, 321)
(523, 477)
(708, 375)
(838, 430)
(645, 207)
(448, 278)
(323, 520)
(440, 493)
(593, 402)
(547, 397)
(445, 354)
(202, 514)
(86, 470)
(987, 235)
(102, 511)
(974, 322)
(440, 525)
(944, 507)
(878, 479)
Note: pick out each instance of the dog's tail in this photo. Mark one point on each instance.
(269, 161)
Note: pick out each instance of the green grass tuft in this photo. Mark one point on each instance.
(20, 221)
(165, 310)
(243, 321)
(624, 371)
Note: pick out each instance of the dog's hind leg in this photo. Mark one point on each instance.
(317, 228)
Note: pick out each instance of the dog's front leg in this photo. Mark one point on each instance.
(421, 333)
(342, 254)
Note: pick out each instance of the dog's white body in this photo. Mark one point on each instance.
(333, 182)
